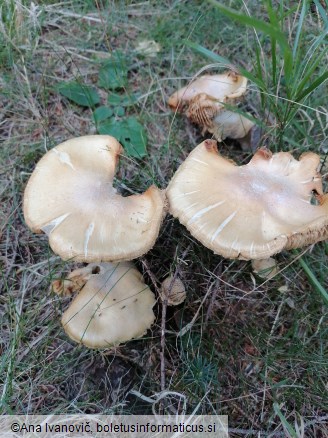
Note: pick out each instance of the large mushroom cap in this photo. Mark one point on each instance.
(70, 196)
(250, 211)
(114, 306)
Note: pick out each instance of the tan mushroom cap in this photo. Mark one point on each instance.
(221, 88)
(251, 211)
(70, 197)
(173, 291)
(114, 306)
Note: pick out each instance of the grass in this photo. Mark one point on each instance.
(253, 349)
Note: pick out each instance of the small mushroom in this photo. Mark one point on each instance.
(203, 102)
(265, 268)
(70, 196)
(114, 306)
(251, 211)
(173, 291)
(221, 88)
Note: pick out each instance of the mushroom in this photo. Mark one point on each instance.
(173, 291)
(265, 268)
(203, 102)
(230, 124)
(114, 306)
(70, 196)
(221, 88)
(251, 211)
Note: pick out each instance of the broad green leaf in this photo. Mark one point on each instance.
(83, 95)
(111, 127)
(135, 138)
(114, 73)
(129, 132)
(102, 113)
(122, 99)
(119, 111)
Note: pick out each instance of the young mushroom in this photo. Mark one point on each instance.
(114, 306)
(221, 88)
(172, 291)
(70, 196)
(203, 102)
(251, 211)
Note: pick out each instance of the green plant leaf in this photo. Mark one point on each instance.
(119, 111)
(114, 73)
(135, 138)
(102, 113)
(83, 95)
(123, 99)
(129, 132)
(111, 127)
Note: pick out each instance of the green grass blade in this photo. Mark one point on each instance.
(217, 58)
(274, 61)
(268, 29)
(322, 12)
(207, 53)
(319, 81)
(313, 280)
(309, 69)
(284, 421)
(296, 46)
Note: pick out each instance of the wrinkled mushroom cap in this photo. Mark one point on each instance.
(114, 306)
(221, 88)
(70, 196)
(251, 211)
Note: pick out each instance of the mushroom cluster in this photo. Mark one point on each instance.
(70, 197)
(204, 103)
(248, 212)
